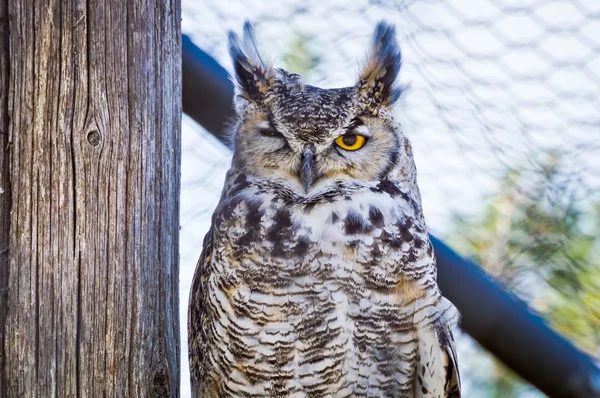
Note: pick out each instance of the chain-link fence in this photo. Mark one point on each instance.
(503, 112)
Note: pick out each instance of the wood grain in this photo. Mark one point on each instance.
(5, 200)
(94, 98)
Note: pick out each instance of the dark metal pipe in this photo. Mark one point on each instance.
(207, 91)
(493, 317)
(503, 325)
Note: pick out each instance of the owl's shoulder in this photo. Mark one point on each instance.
(197, 302)
(437, 364)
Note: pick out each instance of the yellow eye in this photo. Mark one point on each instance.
(351, 142)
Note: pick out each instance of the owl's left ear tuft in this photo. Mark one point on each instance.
(253, 75)
(377, 81)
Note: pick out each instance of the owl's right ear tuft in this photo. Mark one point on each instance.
(254, 77)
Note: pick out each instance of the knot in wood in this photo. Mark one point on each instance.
(93, 137)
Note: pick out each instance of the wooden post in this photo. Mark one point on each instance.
(4, 189)
(94, 99)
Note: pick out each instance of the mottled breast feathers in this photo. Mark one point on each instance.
(317, 277)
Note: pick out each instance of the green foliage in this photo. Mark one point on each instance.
(543, 243)
(300, 58)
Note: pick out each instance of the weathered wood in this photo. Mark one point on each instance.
(4, 188)
(94, 99)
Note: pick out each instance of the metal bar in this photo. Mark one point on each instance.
(207, 91)
(503, 325)
(493, 317)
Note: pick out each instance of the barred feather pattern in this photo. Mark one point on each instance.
(336, 297)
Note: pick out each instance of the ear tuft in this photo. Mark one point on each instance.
(254, 77)
(292, 81)
(377, 82)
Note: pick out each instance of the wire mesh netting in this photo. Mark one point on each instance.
(503, 112)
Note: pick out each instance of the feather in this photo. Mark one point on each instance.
(196, 336)
(437, 374)
(377, 80)
(253, 75)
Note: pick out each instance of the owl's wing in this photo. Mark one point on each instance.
(437, 365)
(196, 337)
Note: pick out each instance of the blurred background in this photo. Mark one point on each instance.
(503, 112)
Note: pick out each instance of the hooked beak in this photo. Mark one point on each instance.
(308, 162)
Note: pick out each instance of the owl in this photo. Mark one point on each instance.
(317, 277)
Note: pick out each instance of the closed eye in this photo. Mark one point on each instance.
(270, 132)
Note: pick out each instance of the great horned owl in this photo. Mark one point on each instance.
(317, 277)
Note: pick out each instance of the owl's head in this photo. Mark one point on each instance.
(310, 139)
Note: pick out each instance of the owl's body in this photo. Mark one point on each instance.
(317, 277)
